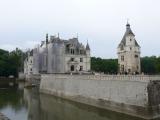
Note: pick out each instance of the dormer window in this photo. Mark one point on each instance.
(122, 48)
(81, 51)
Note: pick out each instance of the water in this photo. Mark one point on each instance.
(28, 104)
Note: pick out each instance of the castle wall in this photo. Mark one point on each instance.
(29, 66)
(36, 61)
(56, 58)
(85, 62)
(127, 96)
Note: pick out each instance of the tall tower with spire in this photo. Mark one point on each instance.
(129, 53)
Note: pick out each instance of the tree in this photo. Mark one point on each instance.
(108, 66)
(11, 63)
(149, 65)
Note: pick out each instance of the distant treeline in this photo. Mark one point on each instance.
(149, 65)
(12, 62)
(108, 66)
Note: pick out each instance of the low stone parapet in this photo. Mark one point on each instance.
(107, 77)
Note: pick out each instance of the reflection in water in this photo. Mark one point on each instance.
(28, 104)
(59, 109)
(12, 104)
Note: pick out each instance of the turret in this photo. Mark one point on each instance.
(87, 49)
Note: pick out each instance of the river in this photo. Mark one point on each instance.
(28, 104)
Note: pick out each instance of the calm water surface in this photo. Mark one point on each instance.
(28, 104)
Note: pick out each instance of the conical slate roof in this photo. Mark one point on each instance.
(128, 32)
(87, 46)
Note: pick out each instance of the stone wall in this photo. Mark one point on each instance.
(127, 96)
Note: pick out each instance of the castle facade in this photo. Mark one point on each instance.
(55, 55)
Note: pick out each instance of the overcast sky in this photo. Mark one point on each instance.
(24, 23)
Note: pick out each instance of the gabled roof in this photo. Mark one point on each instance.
(128, 32)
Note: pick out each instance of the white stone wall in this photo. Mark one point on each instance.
(85, 62)
(56, 58)
(134, 95)
(129, 52)
(28, 66)
(118, 91)
(36, 60)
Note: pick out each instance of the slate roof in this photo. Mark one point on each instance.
(128, 32)
(31, 52)
(87, 47)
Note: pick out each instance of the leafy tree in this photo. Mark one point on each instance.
(149, 65)
(11, 63)
(108, 66)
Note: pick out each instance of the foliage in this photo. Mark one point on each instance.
(11, 62)
(149, 65)
(108, 66)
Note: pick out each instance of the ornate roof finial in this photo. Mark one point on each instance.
(127, 20)
(58, 34)
(87, 46)
(47, 38)
(128, 25)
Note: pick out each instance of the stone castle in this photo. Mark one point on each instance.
(56, 55)
(129, 53)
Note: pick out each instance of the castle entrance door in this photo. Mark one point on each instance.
(72, 67)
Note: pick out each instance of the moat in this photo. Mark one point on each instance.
(28, 104)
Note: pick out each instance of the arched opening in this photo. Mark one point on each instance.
(72, 67)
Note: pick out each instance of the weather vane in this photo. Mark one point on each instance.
(127, 20)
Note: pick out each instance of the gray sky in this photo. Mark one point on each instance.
(24, 23)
